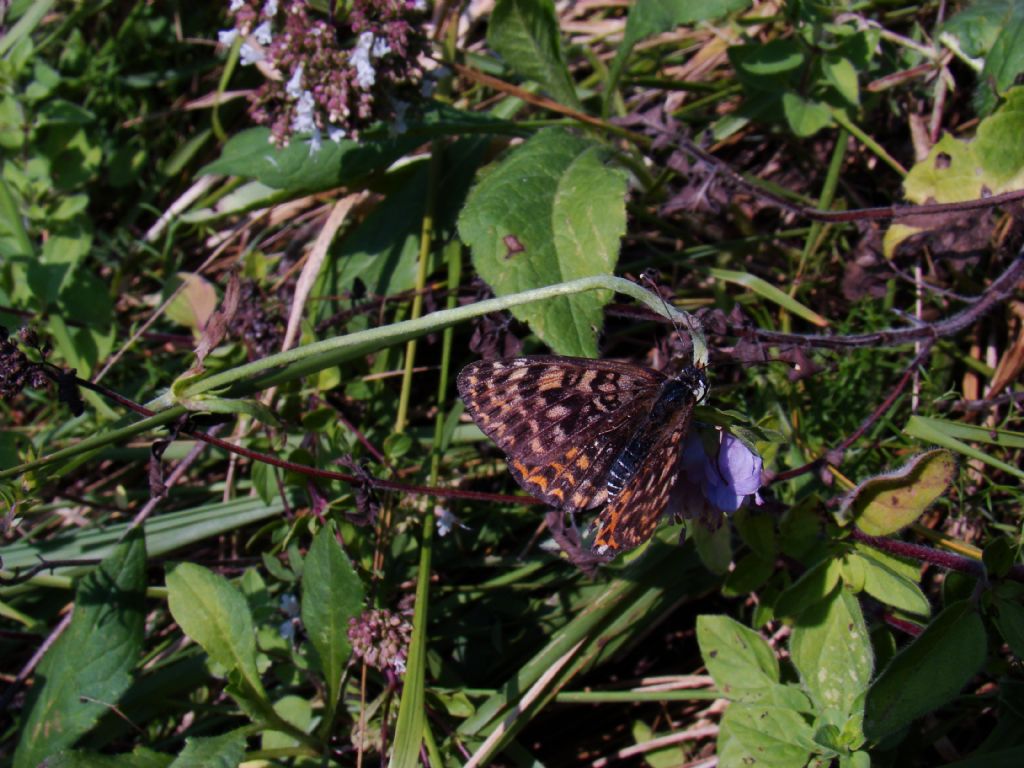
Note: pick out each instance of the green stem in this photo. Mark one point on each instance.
(313, 358)
(222, 86)
(426, 241)
(309, 359)
(867, 141)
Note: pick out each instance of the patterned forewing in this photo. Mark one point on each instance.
(632, 515)
(560, 420)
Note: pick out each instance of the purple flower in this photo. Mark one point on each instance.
(715, 479)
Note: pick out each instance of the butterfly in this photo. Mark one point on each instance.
(579, 433)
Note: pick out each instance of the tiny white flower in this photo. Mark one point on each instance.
(315, 141)
(445, 521)
(399, 666)
(420, 6)
(302, 120)
(366, 75)
(335, 134)
(270, 9)
(249, 54)
(236, 5)
(263, 33)
(294, 86)
(380, 48)
(226, 37)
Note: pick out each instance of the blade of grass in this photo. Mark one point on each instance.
(768, 291)
(946, 434)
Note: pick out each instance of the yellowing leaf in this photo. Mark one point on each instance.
(886, 503)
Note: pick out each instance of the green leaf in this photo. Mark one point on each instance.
(997, 146)
(762, 736)
(889, 587)
(749, 575)
(225, 751)
(214, 614)
(1009, 618)
(952, 434)
(741, 662)
(928, 672)
(250, 154)
(805, 116)
(88, 668)
(831, 650)
(766, 290)
(842, 75)
(525, 33)
(652, 17)
(1005, 61)
(813, 586)
(551, 211)
(977, 26)
(331, 594)
(886, 503)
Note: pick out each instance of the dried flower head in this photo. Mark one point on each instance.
(381, 639)
(16, 370)
(334, 79)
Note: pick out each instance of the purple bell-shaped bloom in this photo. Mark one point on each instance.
(717, 481)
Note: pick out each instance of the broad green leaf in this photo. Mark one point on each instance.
(296, 710)
(842, 75)
(250, 154)
(831, 650)
(763, 736)
(964, 169)
(214, 613)
(741, 662)
(551, 211)
(14, 239)
(225, 751)
(889, 587)
(669, 756)
(813, 586)
(525, 33)
(997, 145)
(768, 67)
(805, 116)
(88, 668)
(757, 531)
(928, 672)
(331, 594)
(1005, 61)
(977, 26)
(886, 503)
(713, 547)
(749, 575)
(1009, 618)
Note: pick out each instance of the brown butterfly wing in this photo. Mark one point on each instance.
(561, 420)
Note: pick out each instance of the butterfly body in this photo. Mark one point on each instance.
(579, 433)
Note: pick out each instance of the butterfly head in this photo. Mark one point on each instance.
(695, 380)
